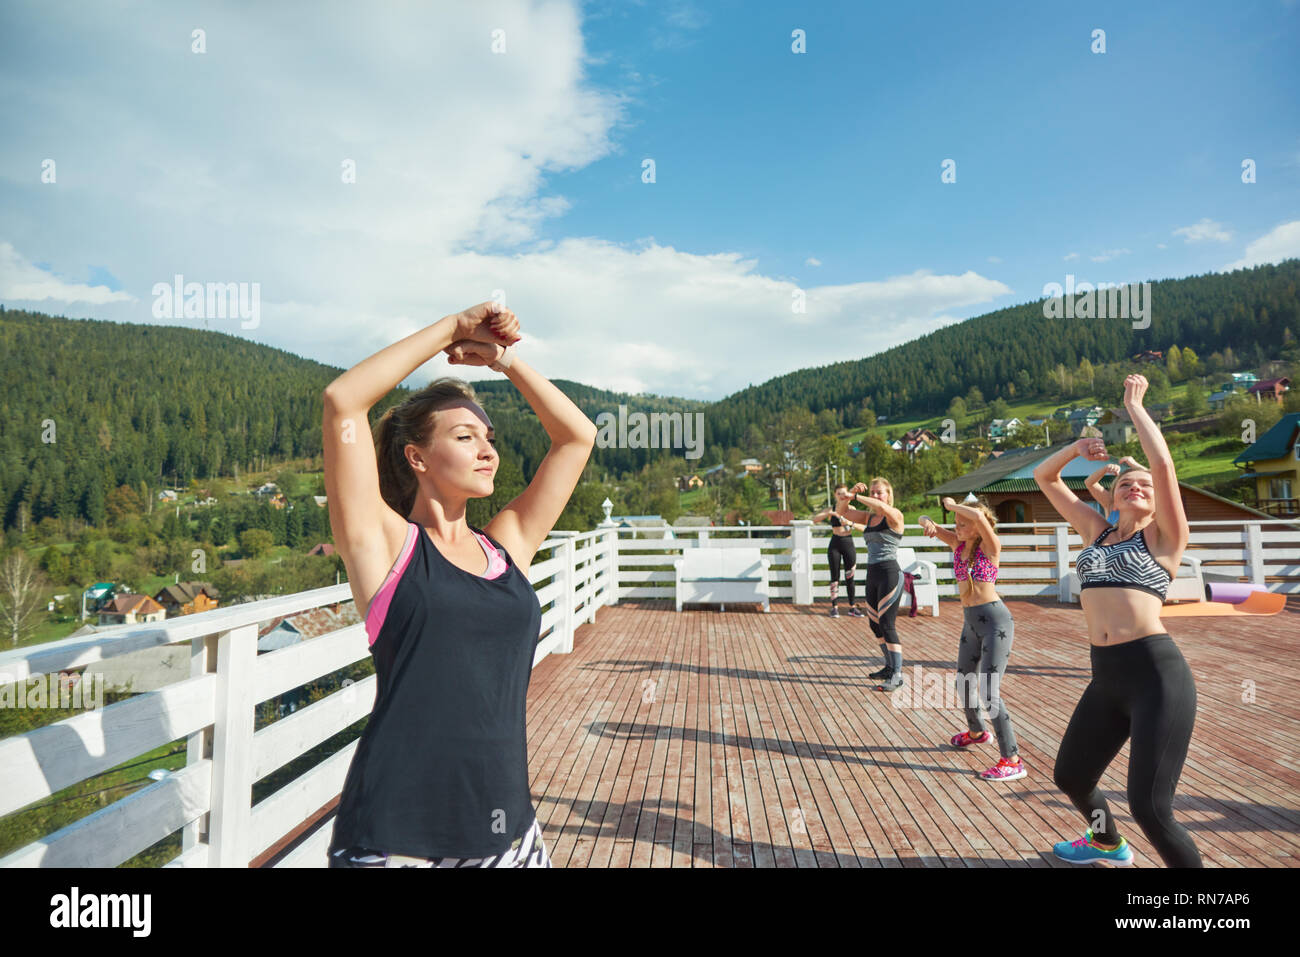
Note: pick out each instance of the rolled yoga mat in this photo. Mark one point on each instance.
(1256, 603)
(1234, 593)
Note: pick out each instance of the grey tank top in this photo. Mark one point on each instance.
(882, 543)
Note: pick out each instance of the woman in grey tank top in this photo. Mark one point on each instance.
(884, 585)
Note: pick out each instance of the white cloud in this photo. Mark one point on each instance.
(810, 261)
(1161, 246)
(1106, 255)
(226, 173)
(1282, 242)
(654, 318)
(1204, 230)
(23, 281)
(995, 259)
(1070, 256)
(681, 20)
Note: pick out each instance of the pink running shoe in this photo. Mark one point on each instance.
(1005, 770)
(964, 740)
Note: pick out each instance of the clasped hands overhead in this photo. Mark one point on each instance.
(484, 333)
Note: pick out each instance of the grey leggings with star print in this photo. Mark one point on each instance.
(981, 659)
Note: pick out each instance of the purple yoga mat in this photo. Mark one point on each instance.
(1234, 593)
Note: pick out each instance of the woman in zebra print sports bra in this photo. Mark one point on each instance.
(1142, 690)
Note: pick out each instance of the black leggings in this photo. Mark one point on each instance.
(841, 546)
(883, 588)
(1140, 690)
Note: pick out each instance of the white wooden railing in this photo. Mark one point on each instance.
(209, 800)
(1034, 556)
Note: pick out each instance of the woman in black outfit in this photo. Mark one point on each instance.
(440, 774)
(841, 548)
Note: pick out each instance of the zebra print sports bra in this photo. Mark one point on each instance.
(1126, 564)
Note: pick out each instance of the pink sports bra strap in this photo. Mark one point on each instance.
(496, 561)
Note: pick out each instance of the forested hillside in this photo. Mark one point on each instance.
(88, 407)
(1016, 354)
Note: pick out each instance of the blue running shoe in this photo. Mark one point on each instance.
(1083, 851)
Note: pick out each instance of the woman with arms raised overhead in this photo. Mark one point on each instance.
(440, 774)
(1142, 689)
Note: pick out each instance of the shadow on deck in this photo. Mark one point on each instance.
(743, 739)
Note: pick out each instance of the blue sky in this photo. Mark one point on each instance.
(520, 169)
(836, 154)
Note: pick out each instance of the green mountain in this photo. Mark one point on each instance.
(87, 406)
(1251, 311)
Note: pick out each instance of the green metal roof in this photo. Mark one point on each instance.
(1276, 443)
(993, 470)
(1027, 485)
(1016, 466)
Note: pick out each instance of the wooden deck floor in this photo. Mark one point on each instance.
(739, 739)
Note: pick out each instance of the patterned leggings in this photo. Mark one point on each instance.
(986, 640)
(528, 851)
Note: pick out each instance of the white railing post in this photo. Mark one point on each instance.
(1061, 548)
(232, 749)
(198, 746)
(568, 592)
(610, 535)
(702, 539)
(801, 560)
(1255, 553)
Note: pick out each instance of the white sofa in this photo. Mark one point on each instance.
(721, 575)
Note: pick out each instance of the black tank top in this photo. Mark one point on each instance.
(441, 769)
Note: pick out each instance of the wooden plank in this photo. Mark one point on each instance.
(755, 717)
(126, 827)
(38, 763)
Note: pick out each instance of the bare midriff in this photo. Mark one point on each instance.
(1117, 615)
(977, 593)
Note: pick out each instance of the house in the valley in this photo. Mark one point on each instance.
(187, 598)
(1273, 461)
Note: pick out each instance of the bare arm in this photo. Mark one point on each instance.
(1096, 489)
(990, 544)
(945, 535)
(362, 522)
(371, 379)
(523, 525)
(1171, 520)
(1048, 476)
(892, 515)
